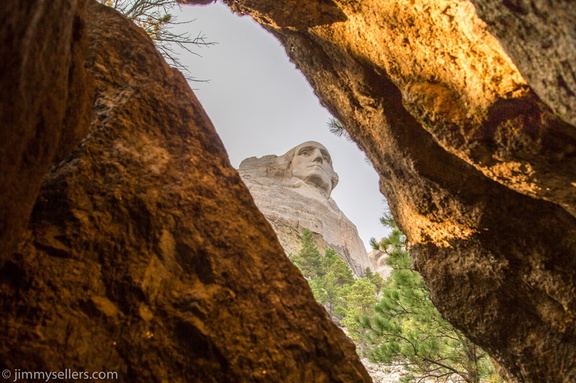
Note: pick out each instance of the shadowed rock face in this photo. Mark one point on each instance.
(476, 155)
(45, 101)
(145, 254)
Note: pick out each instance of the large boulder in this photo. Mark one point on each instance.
(145, 254)
(477, 157)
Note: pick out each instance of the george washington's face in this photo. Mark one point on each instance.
(312, 164)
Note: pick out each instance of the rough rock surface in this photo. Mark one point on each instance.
(292, 206)
(540, 38)
(44, 103)
(145, 254)
(478, 162)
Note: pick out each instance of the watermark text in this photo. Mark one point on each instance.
(68, 374)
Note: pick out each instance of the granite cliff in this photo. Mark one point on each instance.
(292, 204)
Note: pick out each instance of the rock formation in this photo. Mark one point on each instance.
(293, 193)
(45, 101)
(469, 120)
(379, 261)
(144, 254)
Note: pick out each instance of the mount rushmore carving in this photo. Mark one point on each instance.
(293, 192)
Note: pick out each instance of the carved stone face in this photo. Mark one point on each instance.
(312, 164)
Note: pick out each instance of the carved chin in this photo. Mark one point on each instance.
(319, 182)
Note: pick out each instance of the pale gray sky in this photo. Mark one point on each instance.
(261, 104)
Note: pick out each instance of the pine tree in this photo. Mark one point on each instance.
(308, 259)
(334, 264)
(407, 329)
(328, 287)
(157, 20)
(327, 275)
(375, 278)
(359, 301)
(328, 293)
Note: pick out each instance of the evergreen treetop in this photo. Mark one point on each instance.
(407, 329)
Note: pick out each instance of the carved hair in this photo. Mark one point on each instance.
(277, 167)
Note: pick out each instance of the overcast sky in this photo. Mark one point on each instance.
(261, 104)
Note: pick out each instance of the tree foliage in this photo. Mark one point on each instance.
(157, 19)
(407, 329)
(360, 299)
(308, 259)
(393, 321)
(375, 278)
(329, 276)
(334, 286)
(336, 127)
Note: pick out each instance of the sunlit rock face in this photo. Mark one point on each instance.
(475, 149)
(293, 192)
(145, 254)
(539, 36)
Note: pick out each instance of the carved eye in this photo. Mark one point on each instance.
(305, 153)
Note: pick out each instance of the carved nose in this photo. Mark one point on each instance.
(318, 156)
